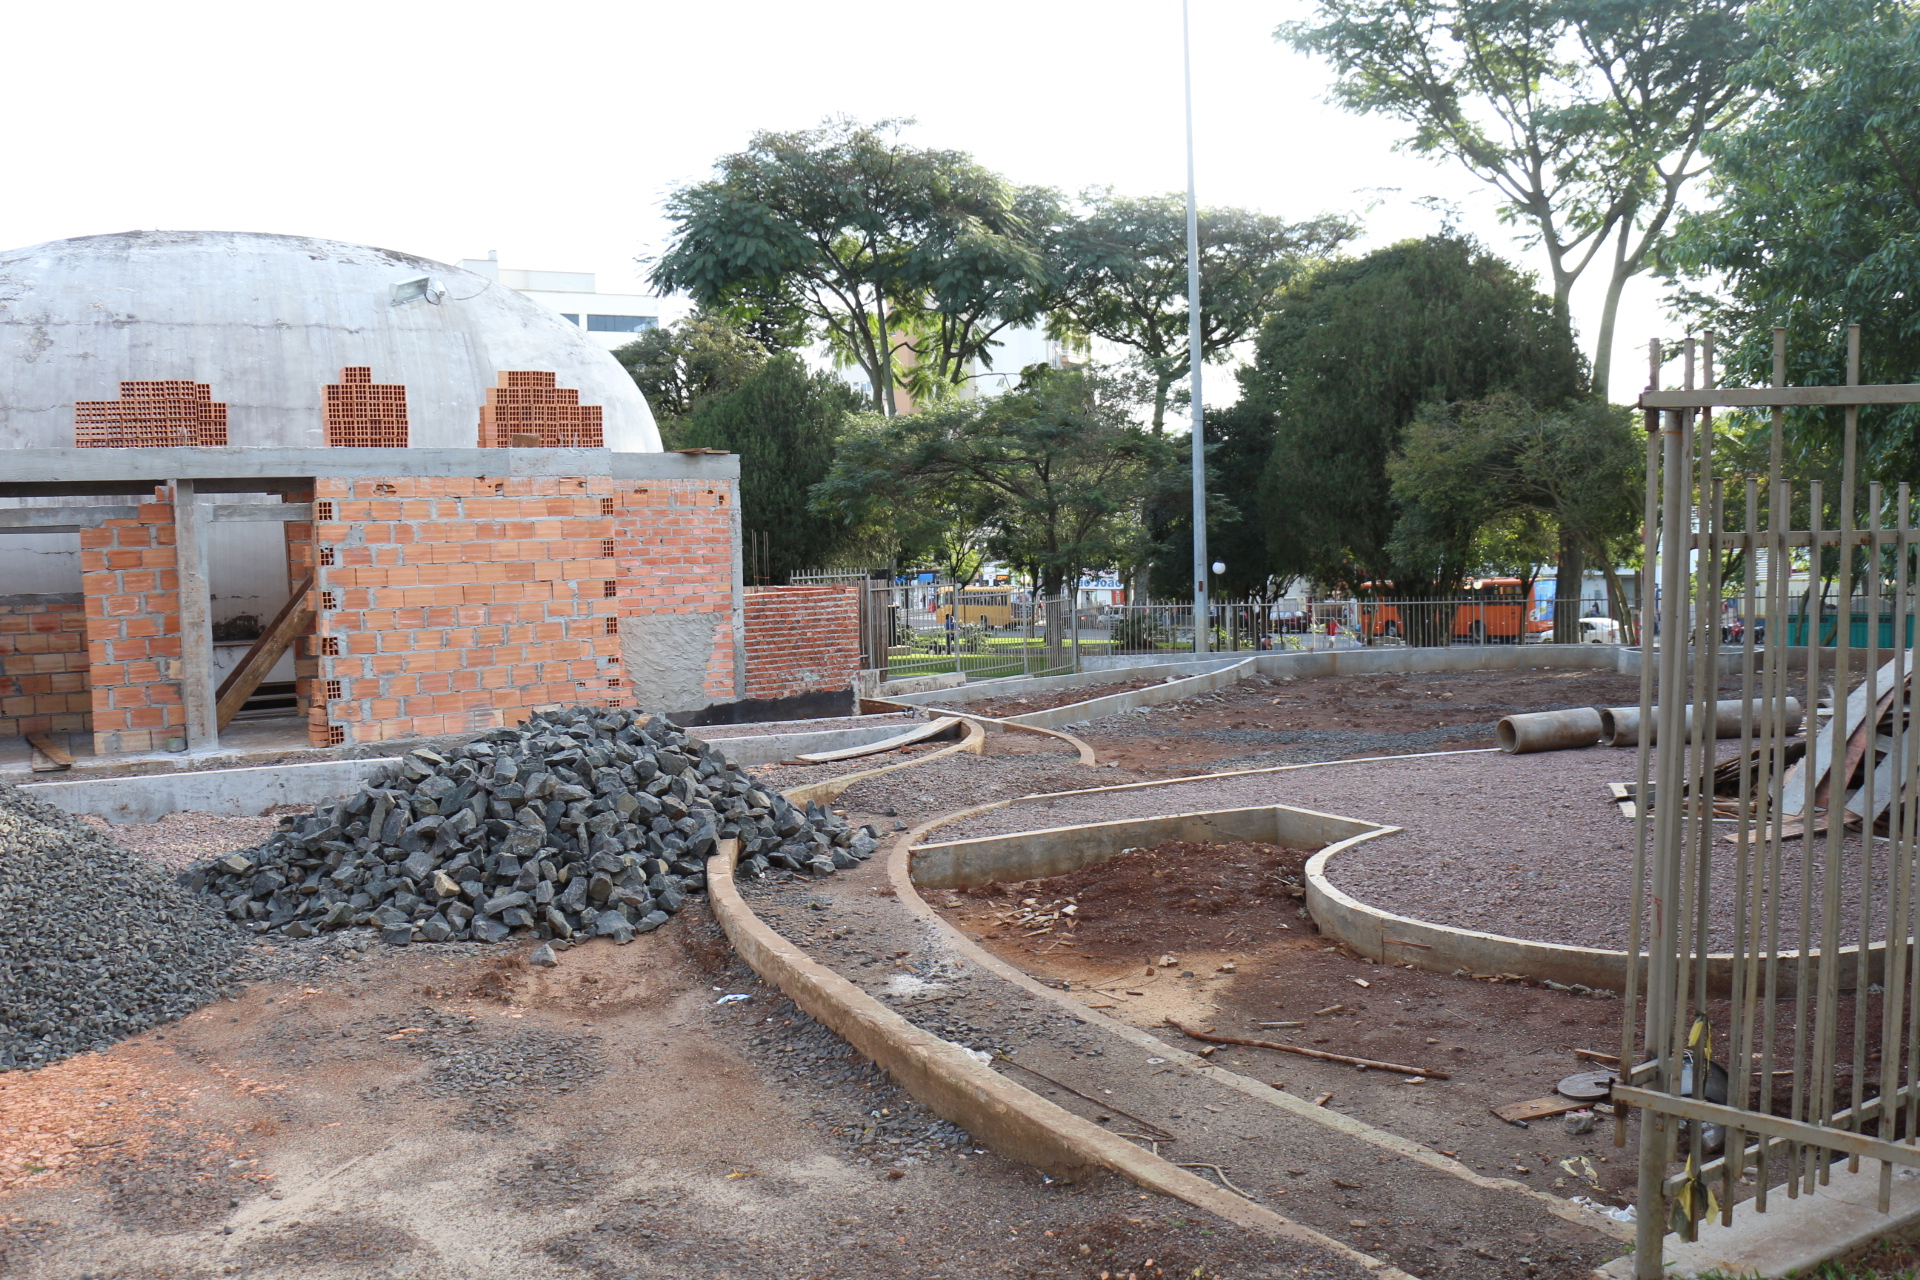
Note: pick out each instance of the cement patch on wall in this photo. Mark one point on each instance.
(666, 655)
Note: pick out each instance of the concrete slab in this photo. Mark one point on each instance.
(1793, 1236)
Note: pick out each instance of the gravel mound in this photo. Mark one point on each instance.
(579, 823)
(96, 944)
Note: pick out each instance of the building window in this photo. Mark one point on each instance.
(621, 324)
(570, 317)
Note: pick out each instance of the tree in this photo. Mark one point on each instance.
(679, 366)
(887, 249)
(1586, 116)
(1471, 466)
(1123, 268)
(1817, 221)
(1343, 366)
(1239, 443)
(1057, 464)
(784, 423)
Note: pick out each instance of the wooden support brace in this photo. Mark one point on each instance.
(287, 626)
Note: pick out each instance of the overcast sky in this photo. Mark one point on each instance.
(551, 132)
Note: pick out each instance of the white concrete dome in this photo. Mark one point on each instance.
(266, 321)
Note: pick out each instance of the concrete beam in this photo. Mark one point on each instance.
(27, 519)
(44, 472)
(263, 512)
(1767, 397)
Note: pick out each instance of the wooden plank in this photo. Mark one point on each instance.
(56, 755)
(287, 626)
(920, 733)
(1516, 1112)
(1793, 790)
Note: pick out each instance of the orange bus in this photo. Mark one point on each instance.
(1488, 611)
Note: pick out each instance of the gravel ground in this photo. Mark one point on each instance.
(180, 839)
(1015, 764)
(720, 732)
(96, 943)
(1530, 846)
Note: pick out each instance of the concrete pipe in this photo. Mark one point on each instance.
(1620, 726)
(1549, 730)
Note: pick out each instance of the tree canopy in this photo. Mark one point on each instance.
(1344, 365)
(1816, 221)
(1122, 263)
(679, 366)
(907, 260)
(1586, 116)
(1056, 469)
(785, 424)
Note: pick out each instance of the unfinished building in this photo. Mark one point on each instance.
(309, 493)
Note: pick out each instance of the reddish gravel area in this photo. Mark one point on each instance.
(1530, 846)
(1048, 699)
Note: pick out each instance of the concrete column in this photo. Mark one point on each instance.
(196, 618)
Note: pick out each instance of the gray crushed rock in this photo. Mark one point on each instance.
(96, 943)
(581, 822)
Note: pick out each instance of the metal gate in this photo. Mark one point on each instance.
(1774, 888)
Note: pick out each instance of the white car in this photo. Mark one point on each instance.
(1599, 631)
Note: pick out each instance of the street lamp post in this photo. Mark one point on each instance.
(1201, 616)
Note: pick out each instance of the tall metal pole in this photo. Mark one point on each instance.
(1202, 621)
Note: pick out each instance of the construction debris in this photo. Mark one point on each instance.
(580, 822)
(1367, 1063)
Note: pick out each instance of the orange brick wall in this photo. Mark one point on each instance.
(43, 666)
(132, 598)
(802, 640)
(675, 544)
(457, 605)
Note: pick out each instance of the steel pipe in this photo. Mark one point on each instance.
(1549, 730)
(1620, 726)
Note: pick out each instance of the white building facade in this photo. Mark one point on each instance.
(609, 320)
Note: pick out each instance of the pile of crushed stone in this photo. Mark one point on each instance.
(96, 944)
(581, 822)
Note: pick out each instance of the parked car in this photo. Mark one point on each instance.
(1599, 631)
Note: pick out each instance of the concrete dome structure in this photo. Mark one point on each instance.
(267, 321)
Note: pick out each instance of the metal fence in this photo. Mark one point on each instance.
(1764, 1065)
(983, 633)
(1142, 629)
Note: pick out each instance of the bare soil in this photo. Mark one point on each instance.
(1244, 954)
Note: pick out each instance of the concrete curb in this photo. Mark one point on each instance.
(233, 793)
(1132, 831)
(1397, 939)
(1013, 1121)
(991, 725)
(749, 750)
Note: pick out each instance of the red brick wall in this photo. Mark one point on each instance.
(43, 667)
(674, 541)
(458, 605)
(133, 630)
(802, 640)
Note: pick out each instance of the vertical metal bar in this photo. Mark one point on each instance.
(196, 619)
(1803, 966)
(1868, 815)
(1779, 575)
(1826, 1011)
(1649, 656)
(1662, 968)
(1746, 915)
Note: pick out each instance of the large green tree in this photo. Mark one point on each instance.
(1586, 116)
(1344, 365)
(1816, 221)
(1056, 469)
(1471, 467)
(1239, 443)
(681, 365)
(909, 261)
(784, 423)
(1122, 262)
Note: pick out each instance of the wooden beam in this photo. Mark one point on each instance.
(45, 748)
(287, 626)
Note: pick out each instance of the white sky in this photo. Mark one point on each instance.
(551, 133)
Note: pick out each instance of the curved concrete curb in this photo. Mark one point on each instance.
(1128, 832)
(1013, 1121)
(1397, 939)
(821, 792)
(992, 725)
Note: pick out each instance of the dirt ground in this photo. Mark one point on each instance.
(452, 1114)
(1188, 932)
(1265, 720)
